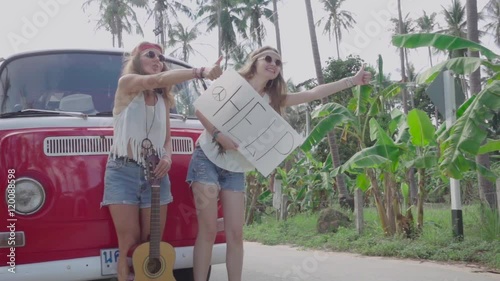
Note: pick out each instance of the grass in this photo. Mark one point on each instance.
(481, 243)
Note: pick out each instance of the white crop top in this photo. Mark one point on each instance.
(131, 124)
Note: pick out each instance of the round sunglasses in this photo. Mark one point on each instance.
(269, 59)
(152, 55)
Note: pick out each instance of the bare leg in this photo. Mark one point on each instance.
(205, 197)
(233, 204)
(126, 221)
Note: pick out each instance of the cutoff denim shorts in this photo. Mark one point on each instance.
(125, 183)
(202, 170)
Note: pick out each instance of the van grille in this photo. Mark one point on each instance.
(78, 145)
(182, 145)
(96, 145)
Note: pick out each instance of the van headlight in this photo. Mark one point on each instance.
(28, 197)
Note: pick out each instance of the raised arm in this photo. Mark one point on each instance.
(362, 77)
(135, 83)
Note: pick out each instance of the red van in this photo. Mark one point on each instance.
(55, 136)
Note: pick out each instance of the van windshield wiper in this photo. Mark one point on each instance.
(38, 112)
(104, 113)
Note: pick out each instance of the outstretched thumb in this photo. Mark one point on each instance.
(218, 61)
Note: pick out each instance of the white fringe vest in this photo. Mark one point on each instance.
(130, 128)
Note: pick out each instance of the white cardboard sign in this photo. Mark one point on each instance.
(232, 105)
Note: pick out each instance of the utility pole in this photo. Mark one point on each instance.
(450, 113)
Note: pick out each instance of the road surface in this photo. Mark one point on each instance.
(277, 263)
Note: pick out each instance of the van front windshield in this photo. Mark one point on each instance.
(75, 81)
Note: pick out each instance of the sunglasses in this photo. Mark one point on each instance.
(152, 55)
(269, 59)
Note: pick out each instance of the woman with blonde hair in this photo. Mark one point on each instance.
(141, 119)
(213, 174)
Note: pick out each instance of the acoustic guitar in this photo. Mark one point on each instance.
(153, 260)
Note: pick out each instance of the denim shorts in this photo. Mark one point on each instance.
(125, 183)
(202, 170)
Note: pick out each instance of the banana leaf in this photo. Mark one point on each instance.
(461, 65)
(490, 146)
(468, 132)
(378, 134)
(334, 114)
(441, 42)
(420, 127)
(361, 99)
(427, 161)
(362, 182)
(372, 157)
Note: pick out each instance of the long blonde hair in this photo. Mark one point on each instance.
(276, 88)
(132, 65)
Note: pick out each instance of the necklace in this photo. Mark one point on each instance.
(147, 145)
(154, 115)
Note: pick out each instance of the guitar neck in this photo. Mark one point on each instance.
(155, 221)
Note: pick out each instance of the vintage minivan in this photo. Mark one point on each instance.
(55, 136)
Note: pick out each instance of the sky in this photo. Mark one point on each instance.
(46, 24)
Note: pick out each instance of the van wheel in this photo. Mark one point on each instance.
(186, 274)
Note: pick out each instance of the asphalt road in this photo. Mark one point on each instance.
(276, 263)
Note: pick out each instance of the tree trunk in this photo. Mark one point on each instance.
(379, 203)
(404, 79)
(421, 198)
(344, 198)
(389, 195)
(277, 26)
(277, 29)
(486, 188)
(219, 27)
(402, 61)
(430, 55)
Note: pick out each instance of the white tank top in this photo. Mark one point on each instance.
(136, 122)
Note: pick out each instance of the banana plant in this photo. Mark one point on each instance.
(465, 137)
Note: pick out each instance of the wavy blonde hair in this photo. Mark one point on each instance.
(132, 65)
(276, 88)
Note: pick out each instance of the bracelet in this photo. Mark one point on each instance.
(167, 158)
(195, 72)
(214, 135)
(349, 82)
(202, 69)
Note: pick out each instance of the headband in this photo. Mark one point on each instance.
(146, 46)
(267, 52)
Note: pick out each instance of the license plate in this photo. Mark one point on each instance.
(109, 260)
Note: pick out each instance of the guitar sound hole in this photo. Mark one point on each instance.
(154, 265)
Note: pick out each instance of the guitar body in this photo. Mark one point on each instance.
(148, 269)
(153, 260)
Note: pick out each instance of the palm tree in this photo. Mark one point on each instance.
(491, 13)
(253, 11)
(456, 24)
(486, 188)
(344, 197)
(183, 36)
(404, 26)
(165, 12)
(336, 20)
(230, 19)
(426, 24)
(240, 53)
(118, 16)
(276, 25)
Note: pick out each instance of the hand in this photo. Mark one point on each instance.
(226, 142)
(214, 72)
(362, 77)
(163, 167)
